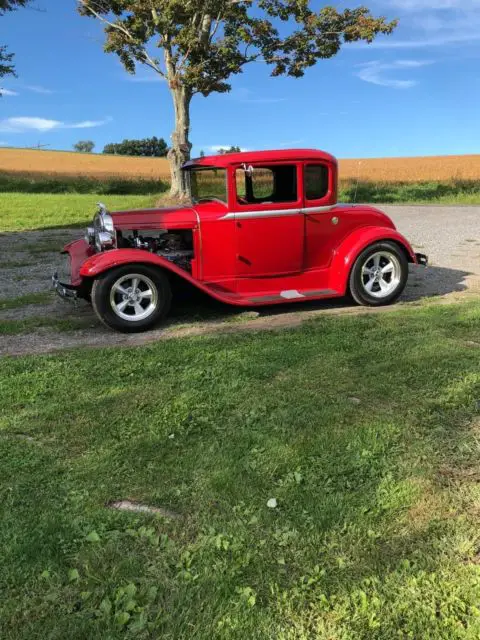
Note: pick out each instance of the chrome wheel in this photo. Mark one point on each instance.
(133, 297)
(381, 274)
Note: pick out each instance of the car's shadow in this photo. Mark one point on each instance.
(193, 305)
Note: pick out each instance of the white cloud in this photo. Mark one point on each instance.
(432, 23)
(436, 41)
(38, 89)
(8, 92)
(86, 124)
(375, 72)
(26, 124)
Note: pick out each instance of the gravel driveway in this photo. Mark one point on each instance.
(450, 236)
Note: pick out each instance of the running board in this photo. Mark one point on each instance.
(292, 294)
(249, 298)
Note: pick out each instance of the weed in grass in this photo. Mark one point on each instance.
(27, 325)
(16, 264)
(41, 297)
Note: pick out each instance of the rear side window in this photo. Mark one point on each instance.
(266, 185)
(316, 181)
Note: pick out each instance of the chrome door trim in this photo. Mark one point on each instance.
(269, 213)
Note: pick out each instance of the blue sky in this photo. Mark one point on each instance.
(416, 92)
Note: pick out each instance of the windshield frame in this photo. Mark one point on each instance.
(200, 168)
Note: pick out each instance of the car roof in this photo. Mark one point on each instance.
(228, 159)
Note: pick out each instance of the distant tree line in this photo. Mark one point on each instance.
(231, 149)
(148, 147)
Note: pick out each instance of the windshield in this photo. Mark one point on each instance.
(208, 184)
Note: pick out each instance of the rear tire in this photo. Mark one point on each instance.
(379, 275)
(131, 298)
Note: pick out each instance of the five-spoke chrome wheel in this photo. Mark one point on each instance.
(133, 297)
(381, 274)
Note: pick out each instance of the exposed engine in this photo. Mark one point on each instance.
(175, 246)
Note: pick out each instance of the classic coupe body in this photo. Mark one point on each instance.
(262, 228)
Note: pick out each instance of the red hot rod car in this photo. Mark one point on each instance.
(262, 228)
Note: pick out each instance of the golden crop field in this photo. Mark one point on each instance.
(65, 163)
(420, 169)
(69, 163)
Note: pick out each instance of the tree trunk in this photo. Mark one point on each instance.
(181, 146)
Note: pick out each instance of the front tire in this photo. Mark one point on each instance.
(131, 298)
(379, 275)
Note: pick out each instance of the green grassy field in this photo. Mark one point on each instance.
(25, 211)
(441, 193)
(40, 184)
(364, 429)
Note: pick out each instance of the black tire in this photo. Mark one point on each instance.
(392, 283)
(108, 299)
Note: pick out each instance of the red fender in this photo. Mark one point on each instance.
(346, 254)
(106, 260)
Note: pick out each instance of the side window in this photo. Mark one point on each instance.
(263, 184)
(316, 181)
(275, 183)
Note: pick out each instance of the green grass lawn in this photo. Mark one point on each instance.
(26, 211)
(366, 431)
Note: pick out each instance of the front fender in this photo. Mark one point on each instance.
(106, 260)
(348, 251)
(101, 262)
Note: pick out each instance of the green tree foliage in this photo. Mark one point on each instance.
(84, 146)
(6, 58)
(202, 43)
(149, 147)
(229, 150)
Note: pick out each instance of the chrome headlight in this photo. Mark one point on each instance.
(90, 235)
(102, 234)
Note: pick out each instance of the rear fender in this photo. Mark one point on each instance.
(349, 250)
(101, 262)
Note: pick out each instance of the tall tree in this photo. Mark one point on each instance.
(204, 42)
(84, 146)
(6, 59)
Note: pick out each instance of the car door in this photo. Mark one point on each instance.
(322, 225)
(269, 223)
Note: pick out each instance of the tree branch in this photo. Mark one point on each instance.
(148, 61)
(215, 28)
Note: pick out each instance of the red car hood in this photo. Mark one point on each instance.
(161, 218)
